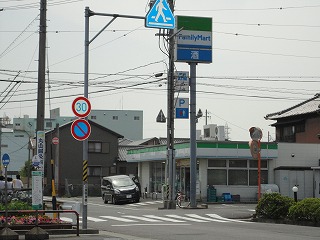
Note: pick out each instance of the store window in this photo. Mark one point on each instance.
(238, 177)
(217, 177)
(236, 172)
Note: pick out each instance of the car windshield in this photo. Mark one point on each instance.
(122, 182)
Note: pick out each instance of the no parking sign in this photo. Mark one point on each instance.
(80, 128)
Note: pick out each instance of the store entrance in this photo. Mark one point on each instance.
(183, 180)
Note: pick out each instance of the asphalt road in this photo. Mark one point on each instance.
(220, 221)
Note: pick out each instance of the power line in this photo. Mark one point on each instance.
(247, 9)
(268, 37)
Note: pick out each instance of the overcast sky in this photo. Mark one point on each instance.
(266, 58)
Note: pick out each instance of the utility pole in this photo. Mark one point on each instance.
(170, 124)
(42, 65)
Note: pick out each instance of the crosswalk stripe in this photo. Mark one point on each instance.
(164, 218)
(155, 202)
(205, 218)
(118, 219)
(96, 219)
(186, 218)
(66, 219)
(138, 204)
(227, 219)
(143, 218)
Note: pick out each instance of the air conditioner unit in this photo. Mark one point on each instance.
(220, 132)
(209, 132)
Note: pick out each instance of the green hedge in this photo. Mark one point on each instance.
(16, 205)
(274, 206)
(306, 210)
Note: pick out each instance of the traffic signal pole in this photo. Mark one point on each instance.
(87, 41)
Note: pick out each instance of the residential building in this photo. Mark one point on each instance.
(68, 159)
(299, 123)
(298, 137)
(128, 123)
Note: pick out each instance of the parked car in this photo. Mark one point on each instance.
(119, 188)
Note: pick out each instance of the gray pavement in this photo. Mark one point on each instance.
(103, 235)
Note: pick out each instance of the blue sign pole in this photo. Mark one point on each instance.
(5, 162)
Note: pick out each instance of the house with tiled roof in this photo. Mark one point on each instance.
(298, 137)
(299, 123)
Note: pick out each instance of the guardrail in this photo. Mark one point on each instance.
(36, 212)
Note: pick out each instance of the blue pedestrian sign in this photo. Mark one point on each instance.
(160, 16)
(5, 159)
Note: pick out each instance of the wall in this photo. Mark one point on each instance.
(298, 154)
(312, 128)
(125, 125)
(144, 169)
(303, 179)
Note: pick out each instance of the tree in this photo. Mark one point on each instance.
(26, 170)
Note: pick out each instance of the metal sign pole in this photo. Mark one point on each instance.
(193, 140)
(6, 193)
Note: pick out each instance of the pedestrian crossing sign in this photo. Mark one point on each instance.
(160, 16)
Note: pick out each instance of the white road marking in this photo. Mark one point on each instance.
(142, 218)
(151, 224)
(205, 218)
(164, 218)
(96, 219)
(227, 219)
(186, 218)
(118, 219)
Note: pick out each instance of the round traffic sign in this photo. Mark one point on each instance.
(80, 129)
(5, 159)
(254, 149)
(55, 140)
(255, 133)
(81, 107)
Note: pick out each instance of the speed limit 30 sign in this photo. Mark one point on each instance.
(81, 107)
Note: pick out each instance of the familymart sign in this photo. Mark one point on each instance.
(193, 39)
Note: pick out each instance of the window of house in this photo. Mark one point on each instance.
(288, 134)
(48, 124)
(95, 147)
(18, 136)
(94, 171)
(115, 117)
(136, 118)
(98, 147)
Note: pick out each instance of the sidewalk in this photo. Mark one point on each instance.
(103, 235)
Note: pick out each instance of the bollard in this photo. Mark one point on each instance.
(77, 207)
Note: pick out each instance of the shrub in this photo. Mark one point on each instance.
(274, 206)
(16, 205)
(306, 210)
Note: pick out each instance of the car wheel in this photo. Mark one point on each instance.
(137, 200)
(114, 201)
(105, 200)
